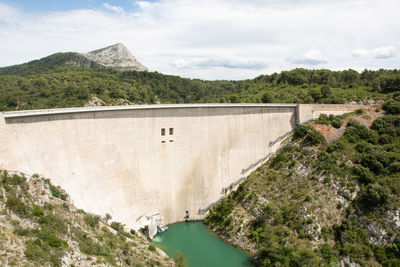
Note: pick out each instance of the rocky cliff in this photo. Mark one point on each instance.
(116, 56)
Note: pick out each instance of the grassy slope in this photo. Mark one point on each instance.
(39, 226)
(317, 203)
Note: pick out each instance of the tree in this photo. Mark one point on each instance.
(326, 91)
(390, 82)
(107, 217)
(316, 94)
(267, 98)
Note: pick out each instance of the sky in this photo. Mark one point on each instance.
(209, 39)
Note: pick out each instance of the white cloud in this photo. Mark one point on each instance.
(229, 63)
(382, 52)
(143, 4)
(116, 9)
(215, 39)
(360, 52)
(385, 52)
(311, 57)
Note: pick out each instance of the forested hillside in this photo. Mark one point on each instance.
(50, 83)
(330, 195)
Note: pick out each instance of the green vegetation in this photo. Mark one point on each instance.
(49, 229)
(315, 204)
(335, 121)
(309, 136)
(49, 83)
(180, 259)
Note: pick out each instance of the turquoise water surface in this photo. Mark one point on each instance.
(201, 247)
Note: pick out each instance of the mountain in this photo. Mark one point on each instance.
(41, 227)
(53, 63)
(116, 56)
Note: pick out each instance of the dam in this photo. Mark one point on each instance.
(149, 164)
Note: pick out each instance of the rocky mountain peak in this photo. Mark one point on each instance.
(116, 56)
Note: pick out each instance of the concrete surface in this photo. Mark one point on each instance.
(115, 160)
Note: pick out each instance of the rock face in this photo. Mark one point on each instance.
(116, 56)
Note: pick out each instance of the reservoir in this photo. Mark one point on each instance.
(201, 247)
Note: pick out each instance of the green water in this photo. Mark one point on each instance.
(201, 247)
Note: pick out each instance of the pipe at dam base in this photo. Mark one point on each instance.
(133, 161)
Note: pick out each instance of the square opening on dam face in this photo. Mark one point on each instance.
(162, 131)
(171, 131)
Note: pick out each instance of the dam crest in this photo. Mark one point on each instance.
(149, 164)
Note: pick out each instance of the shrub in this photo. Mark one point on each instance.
(48, 237)
(391, 147)
(21, 231)
(336, 146)
(107, 217)
(337, 123)
(218, 214)
(363, 174)
(92, 220)
(180, 259)
(314, 138)
(364, 147)
(279, 159)
(16, 205)
(374, 195)
(56, 191)
(385, 139)
(328, 254)
(305, 257)
(392, 107)
(300, 131)
(356, 131)
(326, 159)
(35, 252)
(394, 167)
(386, 125)
(372, 162)
(37, 211)
(117, 226)
(323, 119)
(359, 111)
(228, 222)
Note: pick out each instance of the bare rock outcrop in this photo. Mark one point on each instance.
(116, 56)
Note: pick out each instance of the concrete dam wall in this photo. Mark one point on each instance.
(140, 163)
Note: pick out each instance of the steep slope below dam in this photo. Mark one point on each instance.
(149, 164)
